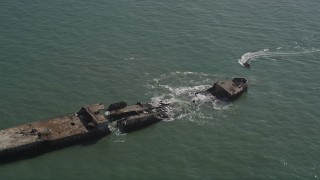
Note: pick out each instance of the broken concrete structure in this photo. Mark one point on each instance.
(229, 90)
(90, 122)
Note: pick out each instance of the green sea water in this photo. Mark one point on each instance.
(56, 56)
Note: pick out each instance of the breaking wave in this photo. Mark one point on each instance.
(266, 53)
(179, 88)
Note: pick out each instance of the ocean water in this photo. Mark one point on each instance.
(56, 56)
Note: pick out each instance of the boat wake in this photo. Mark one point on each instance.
(266, 53)
(179, 88)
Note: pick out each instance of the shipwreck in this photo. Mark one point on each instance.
(94, 121)
(90, 122)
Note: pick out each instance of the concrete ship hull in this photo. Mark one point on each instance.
(90, 123)
(37, 136)
(227, 90)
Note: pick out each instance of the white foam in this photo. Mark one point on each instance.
(178, 89)
(129, 59)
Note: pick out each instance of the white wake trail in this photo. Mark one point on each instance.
(248, 57)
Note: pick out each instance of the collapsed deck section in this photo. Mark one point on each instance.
(133, 117)
(127, 111)
(87, 122)
(139, 121)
